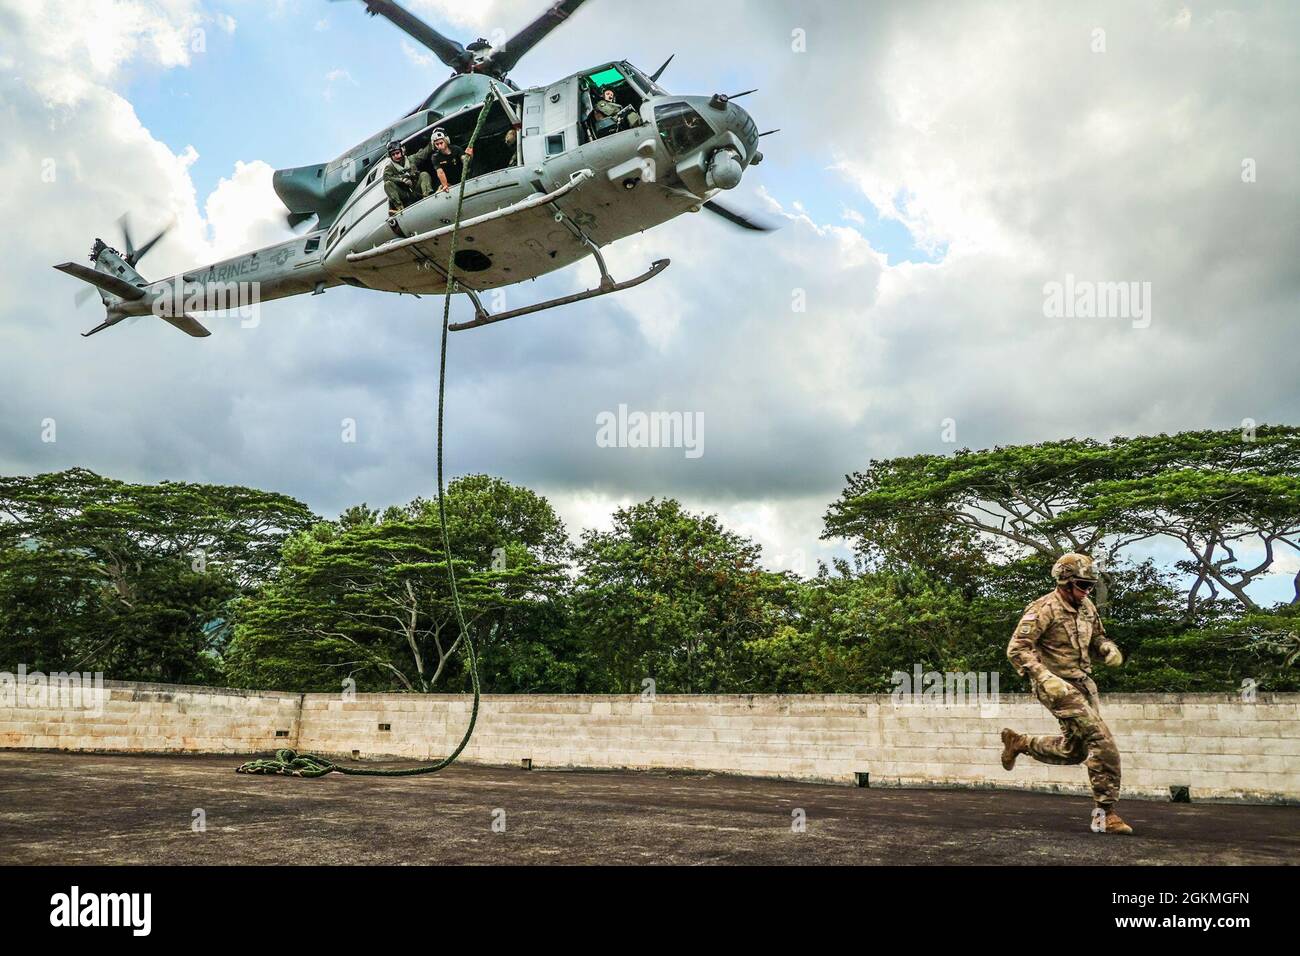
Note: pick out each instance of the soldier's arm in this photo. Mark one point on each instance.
(1022, 651)
(1102, 646)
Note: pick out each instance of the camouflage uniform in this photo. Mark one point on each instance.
(608, 118)
(1054, 640)
(405, 183)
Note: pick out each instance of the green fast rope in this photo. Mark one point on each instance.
(290, 763)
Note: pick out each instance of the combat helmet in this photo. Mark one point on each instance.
(1074, 565)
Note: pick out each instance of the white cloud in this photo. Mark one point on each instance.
(994, 134)
(419, 55)
(482, 16)
(68, 48)
(243, 212)
(333, 78)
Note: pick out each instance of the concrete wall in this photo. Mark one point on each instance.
(1216, 744)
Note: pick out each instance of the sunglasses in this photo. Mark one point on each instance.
(1083, 585)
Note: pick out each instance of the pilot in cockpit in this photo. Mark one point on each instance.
(610, 116)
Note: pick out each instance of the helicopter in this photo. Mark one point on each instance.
(552, 181)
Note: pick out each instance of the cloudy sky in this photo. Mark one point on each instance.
(938, 165)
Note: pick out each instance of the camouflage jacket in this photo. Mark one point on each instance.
(1061, 638)
(407, 173)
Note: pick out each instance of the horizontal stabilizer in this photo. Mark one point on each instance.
(187, 324)
(109, 283)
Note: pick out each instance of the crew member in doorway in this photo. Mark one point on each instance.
(447, 164)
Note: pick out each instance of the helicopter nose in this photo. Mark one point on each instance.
(727, 164)
(737, 122)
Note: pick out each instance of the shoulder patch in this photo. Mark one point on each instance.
(1030, 616)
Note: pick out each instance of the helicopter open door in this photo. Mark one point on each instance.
(550, 121)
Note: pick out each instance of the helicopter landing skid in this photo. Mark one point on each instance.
(607, 285)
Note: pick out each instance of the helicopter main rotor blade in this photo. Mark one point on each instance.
(446, 49)
(504, 57)
(744, 220)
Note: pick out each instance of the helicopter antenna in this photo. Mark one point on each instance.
(720, 100)
(654, 77)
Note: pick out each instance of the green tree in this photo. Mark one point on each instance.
(367, 597)
(858, 626)
(1232, 500)
(1212, 491)
(674, 597)
(135, 580)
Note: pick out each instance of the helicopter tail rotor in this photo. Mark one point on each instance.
(133, 254)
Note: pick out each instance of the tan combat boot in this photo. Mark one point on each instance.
(1012, 746)
(1108, 821)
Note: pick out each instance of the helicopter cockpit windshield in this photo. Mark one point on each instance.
(681, 127)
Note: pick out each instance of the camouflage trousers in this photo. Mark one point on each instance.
(1084, 738)
(400, 194)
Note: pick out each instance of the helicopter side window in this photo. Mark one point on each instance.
(681, 128)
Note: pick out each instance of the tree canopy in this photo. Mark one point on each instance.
(196, 583)
(134, 580)
(1213, 492)
(367, 597)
